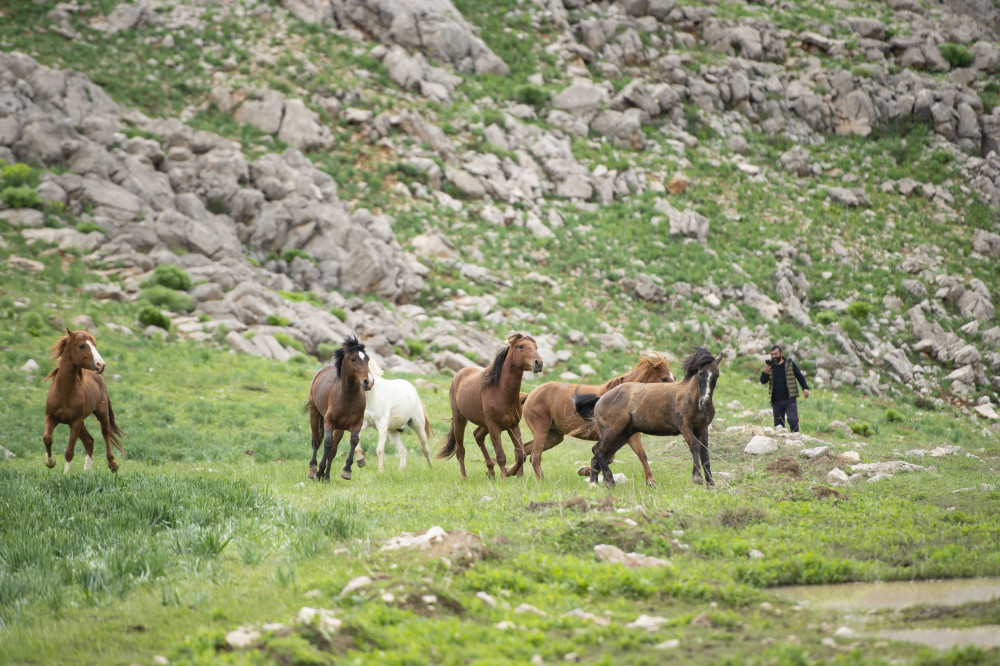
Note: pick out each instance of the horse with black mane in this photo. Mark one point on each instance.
(491, 399)
(77, 391)
(337, 405)
(683, 408)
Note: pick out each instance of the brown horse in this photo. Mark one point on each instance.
(77, 391)
(684, 408)
(490, 398)
(337, 404)
(550, 414)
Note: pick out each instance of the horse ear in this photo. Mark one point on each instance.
(718, 359)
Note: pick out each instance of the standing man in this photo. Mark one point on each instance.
(780, 375)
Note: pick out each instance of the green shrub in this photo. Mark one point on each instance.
(152, 316)
(956, 54)
(415, 346)
(302, 297)
(893, 416)
(301, 359)
(826, 317)
(88, 226)
(289, 255)
(21, 197)
(275, 320)
(14, 175)
(34, 323)
(170, 276)
(859, 310)
(339, 313)
(325, 350)
(217, 205)
(286, 340)
(862, 429)
(851, 326)
(164, 297)
(531, 94)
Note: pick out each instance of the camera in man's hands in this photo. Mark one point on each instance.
(767, 362)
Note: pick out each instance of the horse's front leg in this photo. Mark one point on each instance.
(519, 455)
(50, 425)
(635, 441)
(330, 444)
(479, 434)
(316, 425)
(397, 441)
(703, 454)
(495, 434)
(383, 428)
(694, 445)
(74, 432)
(355, 438)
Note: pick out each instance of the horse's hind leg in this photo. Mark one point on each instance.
(479, 434)
(331, 440)
(397, 441)
(316, 425)
(635, 441)
(88, 446)
(106, 433)
(519, 456)
(418, 427)
(50, 425)
(694, 445)
(383, 430)
(355, 438)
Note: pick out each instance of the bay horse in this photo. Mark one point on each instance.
(491, 399)
(683, 408)
(337, 405)
(550, 414)
(392, 405)
(76, 391)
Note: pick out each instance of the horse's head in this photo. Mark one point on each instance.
(652, 370)
(702, 366)
(351, 362)
(80, 348)
(524, 353)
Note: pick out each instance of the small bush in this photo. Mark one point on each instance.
(826, 317)
(35, 324)
(14, 175)
(956, 55)
(170, 276)
(275, 320)
(531, 94)
(301, 359)
(859, 310)
(286, 340)
(152, 316)
(325, 350)
(851, 326)
(21, 197)
(862, 429)
(164, 297)
(88, 226)
(217, 205)
(339, 313)
(289, 255)
(893, 416)
(415, 346)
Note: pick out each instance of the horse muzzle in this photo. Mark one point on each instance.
(536, 366)
(368, 384)
(99, 368)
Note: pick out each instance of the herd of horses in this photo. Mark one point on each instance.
(351, 394)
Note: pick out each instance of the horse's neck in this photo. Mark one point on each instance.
(509, 383)
(67, 374)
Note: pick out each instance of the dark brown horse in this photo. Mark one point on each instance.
(684, 408)
(77, 391)
(490, 398)
(337, 404)
(550, 414)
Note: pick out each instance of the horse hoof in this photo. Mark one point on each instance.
(584, 471)
(698, 480)
(50, 462)
(362, 463)
(346, 475)
(651, 483)
(113, 466)
(312, 473)
(609, 484)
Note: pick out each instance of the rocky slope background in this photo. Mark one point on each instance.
(612, 177)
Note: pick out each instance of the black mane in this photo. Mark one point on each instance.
(696, 360)
(349, 346)
(492, 374)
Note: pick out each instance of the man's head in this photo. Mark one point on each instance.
(775, 353)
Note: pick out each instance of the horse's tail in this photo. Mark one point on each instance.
(522, 396)
(448, 449)
(427, 422)
(305, 408)
(585, 403)
(115, 433)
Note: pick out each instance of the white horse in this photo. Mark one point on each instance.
(393, 404)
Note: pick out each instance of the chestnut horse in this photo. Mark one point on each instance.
(77, 391)
(490, 398)
(337, 404)
(684, 408)
(550, 414)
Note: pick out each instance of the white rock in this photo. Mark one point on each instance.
(355, 585)
(528, 608)
(486, 599)
(815, 453)
(760, 445)
(844, 632)
(30, 366)
(647, 622)
(672, 644)
(755, 554)
(837, 477)
(985, 410)
(242, 637)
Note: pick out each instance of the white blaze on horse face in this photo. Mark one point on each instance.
(97, 355)
(361, 355)
(708, 387)
(671, 375)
